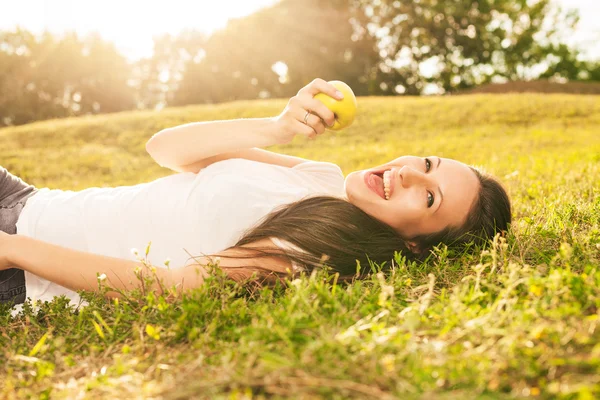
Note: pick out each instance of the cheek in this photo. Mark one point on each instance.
(407, 208)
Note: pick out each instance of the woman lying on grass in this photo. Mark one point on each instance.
(256, 210)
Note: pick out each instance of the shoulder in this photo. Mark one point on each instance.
(327, 174)
(319, 167)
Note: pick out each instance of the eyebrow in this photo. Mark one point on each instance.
(439, 190)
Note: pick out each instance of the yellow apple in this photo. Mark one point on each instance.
(344, 110)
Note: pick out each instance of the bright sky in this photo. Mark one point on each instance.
(587, 35)
(131, 23)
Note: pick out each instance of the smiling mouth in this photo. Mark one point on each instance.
(374, 180)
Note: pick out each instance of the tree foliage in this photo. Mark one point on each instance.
(378, 47)
(457, 44)
(47, 77)
(311, 37)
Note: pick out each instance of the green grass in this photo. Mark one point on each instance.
(517, 320)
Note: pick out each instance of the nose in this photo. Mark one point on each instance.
(410, 176)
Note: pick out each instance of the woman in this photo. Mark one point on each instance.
(256, 210)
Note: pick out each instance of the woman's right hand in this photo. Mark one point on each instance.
(291, 121)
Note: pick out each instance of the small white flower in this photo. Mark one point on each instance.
(296, 283)
(134, 251)
(102, 277)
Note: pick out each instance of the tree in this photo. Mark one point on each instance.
(51, 77)
(157, 79)
(456, 44)
(277, 50)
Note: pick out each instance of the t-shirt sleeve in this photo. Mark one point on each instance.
(327, 174)
(285, 245)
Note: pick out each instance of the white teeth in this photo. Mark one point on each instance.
(386, 184)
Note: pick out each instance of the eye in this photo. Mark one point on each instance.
(427, 165)
(430, 199)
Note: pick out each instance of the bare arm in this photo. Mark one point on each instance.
(190, 146)
(190, 143)
(78, 270)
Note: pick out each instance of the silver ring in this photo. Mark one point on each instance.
(305, 117)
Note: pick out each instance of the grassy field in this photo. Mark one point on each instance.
(517, 320)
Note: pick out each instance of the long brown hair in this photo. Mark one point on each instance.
(337, 233)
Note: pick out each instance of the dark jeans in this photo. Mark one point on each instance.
(13, 195)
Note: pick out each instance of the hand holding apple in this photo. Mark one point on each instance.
(344, 110)
(316, 107)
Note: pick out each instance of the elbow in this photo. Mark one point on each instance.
(153, 148)
(151, 144)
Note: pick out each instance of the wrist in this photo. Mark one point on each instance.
(14, 245)
(278, 132)
(271, 133)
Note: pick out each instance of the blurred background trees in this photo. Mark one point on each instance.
(275, 51)
(49, 77)
(378, 47)
(444, 46)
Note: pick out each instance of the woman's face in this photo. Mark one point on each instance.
(426, 194)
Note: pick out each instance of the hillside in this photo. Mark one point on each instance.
(539, 86)
(517, 320)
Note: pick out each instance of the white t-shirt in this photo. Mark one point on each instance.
(179, 214)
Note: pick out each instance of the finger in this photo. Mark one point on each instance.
(319, 85)
(318, 108)
(305, 130)
(321, 110)
(319, 125)
(313, 120)
(320, 128)
(305, 102)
